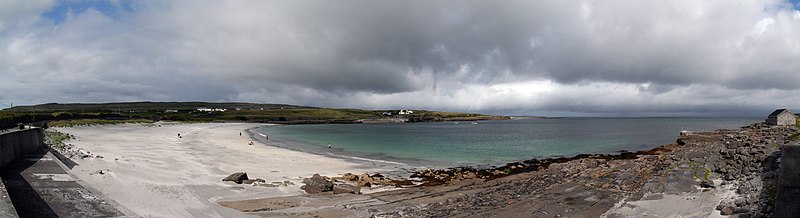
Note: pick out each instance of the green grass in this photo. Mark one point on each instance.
(114, 113)
(89, 122)
(697, 168)
(772, 193)
(795, 136)
(58, 139)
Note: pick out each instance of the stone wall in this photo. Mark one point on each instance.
(786, 119)
(787, 201)
(17, 143)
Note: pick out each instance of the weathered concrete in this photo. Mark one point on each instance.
(16, 143)
(787, 202)
(39, 186)
(6, 207)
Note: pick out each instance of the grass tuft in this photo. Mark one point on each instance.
(90, 122)
(58, 139)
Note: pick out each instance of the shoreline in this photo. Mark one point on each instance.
(698, 175)
(400, 168)
(627, 176)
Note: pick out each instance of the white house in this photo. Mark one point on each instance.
(212, 109)
(781, 117)
(404, 112)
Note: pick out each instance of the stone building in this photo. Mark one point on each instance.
(781, 117)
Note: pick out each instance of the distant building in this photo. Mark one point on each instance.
(781, 117)
(404, 112)
(171, 111)
(386, 113)
(212, 109)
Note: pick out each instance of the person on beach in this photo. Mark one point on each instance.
(329, 145)
(179, 135)
(240, 133)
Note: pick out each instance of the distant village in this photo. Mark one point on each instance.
(400, 112)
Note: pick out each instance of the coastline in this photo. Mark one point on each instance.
(627, 184)
(358, 141)
(711, 174)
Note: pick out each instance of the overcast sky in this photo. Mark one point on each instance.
(555, 58)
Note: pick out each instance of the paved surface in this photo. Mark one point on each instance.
(39, 186)
(6, 207)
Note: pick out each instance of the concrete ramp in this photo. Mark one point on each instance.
(39, 186)
(6, 207)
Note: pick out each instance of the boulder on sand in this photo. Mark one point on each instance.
(316, 184)
(365, 180)
(237, 177)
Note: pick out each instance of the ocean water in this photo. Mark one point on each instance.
(448, 144)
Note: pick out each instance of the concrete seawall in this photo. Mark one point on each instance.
(17, 143)
(787, 202)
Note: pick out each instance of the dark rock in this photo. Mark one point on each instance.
(345, 188)
(726, 211)
(251, 181)
(740, 202)
(236, 177)
(723, 204)
(401, 183)
(680, 142)
(350, 177)
(707, 184)
(740, 210)
(362, 183)
(316, 184)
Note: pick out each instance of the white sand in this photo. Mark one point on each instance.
(153, 173)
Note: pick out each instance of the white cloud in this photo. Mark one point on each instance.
(515, 56)
(21, 13)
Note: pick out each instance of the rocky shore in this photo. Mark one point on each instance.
(723, 172)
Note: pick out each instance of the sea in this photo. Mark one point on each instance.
(488, 143)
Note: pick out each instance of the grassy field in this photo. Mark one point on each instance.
(141, 112)
(89, 122)
(58, 139)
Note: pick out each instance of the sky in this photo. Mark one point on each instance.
(544, 57)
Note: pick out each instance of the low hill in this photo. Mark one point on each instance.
(235, 111)
(142, 106)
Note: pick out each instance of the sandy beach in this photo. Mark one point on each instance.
(153, 173)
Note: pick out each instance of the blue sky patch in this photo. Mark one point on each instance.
(111, 8)
(796, 4)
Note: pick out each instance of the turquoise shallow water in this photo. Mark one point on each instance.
(491, 142)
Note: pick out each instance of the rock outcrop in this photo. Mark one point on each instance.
(317, 184)
(237, 177)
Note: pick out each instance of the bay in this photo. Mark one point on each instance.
(448, 144)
